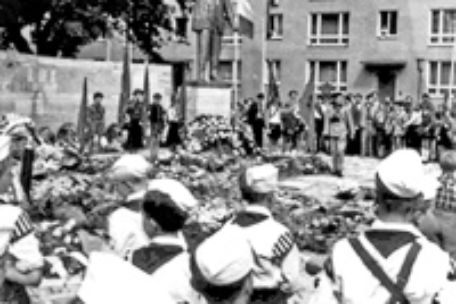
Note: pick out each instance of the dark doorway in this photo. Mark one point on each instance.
(386, 84)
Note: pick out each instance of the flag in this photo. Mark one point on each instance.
(82, 117)
(146, 89)
(307, 111)
(125, 85)
(245, 15)
(268, 25)
(273, 87)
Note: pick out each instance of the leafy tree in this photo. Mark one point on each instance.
(60, 27)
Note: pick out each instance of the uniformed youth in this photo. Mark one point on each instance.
(397, 121)
(135, 113)
(276, 276)
(338, 126)
(392, 261)
(96, 115)
(167, 205)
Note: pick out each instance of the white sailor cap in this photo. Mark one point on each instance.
(402, 173)
(225, 258)
(130, 167)
(263, 178)
(179, 194)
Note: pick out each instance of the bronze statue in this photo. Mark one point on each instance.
(209, 20)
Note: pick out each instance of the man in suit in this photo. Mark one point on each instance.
(209, 20)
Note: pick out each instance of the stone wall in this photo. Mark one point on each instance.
(56, 84)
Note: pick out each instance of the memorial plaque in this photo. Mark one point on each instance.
(208, 100)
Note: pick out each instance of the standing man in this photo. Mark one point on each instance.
(96, 118)
(412, 125)
(338, 126)
(358, 122)
(157, 116)
(135, 113)
(209, 20)
(370, 136)
(319, 121)
(255, 119)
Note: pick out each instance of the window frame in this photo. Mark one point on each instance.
(277, 66)
(273, 34)
(340, 86)
(232, 64)
(389, 13)
(437, 39)
(316, 39)
(274, 3)
(434, 90)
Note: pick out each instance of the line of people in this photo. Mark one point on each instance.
(382, 127)
(144, 123)
(281, 122)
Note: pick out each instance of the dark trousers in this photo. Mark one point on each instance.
(319, 126)
(173, 138)
(135, 135)
(413, 138)
(257, 129)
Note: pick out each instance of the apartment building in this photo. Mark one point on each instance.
(399, 48)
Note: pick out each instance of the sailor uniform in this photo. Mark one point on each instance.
(161, 250)
(409, 268)
(276, 273)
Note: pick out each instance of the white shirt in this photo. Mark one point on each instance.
(356, 284)
(264, 238)
(275, 115)
(175, 277)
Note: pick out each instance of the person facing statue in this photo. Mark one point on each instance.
(210, 17)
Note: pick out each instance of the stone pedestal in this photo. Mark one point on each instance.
(208, 98)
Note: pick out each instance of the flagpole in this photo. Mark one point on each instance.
(264, 46)
(452, 68)
(236, 58)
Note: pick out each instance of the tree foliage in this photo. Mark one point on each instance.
(60, 27)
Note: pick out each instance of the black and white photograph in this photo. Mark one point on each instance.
(227, 151)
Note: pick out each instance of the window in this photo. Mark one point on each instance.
(439, 78)
(229, 38)
(332, 72)
(274, 3)
(226, 70)
(275, 26)
(329, 29)
(443, 26)
(276, 67)
(387, 24)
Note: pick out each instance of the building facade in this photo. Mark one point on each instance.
(398, 48)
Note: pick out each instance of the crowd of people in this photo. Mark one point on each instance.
(352, 124)
(144, 124)
(405, 256)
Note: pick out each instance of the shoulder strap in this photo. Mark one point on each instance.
(406, 270)
(378, 272)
